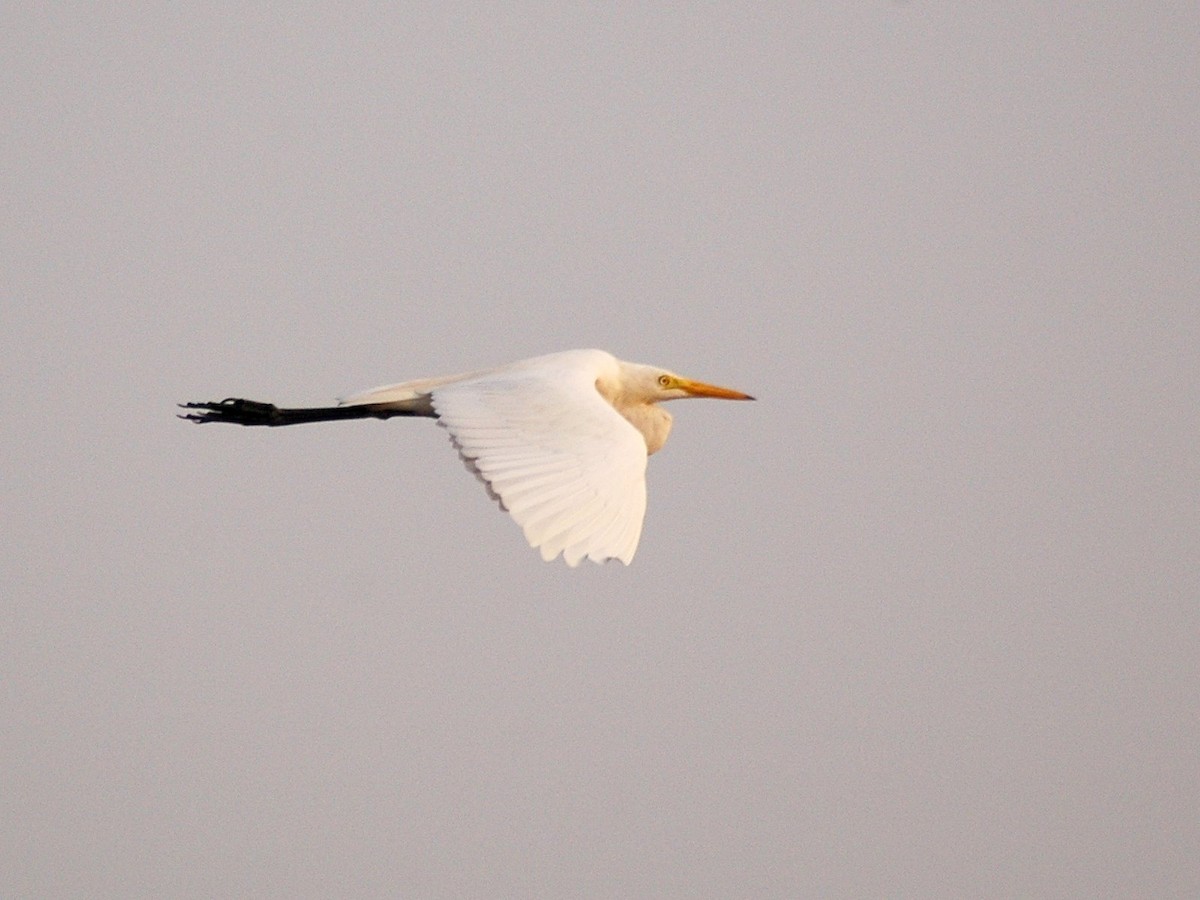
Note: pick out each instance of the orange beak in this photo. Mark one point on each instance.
(700, 389)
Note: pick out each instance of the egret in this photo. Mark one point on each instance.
(559, 441)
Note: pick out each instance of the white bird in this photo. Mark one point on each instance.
(560, 441)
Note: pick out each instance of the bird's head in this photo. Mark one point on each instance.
(653, 385)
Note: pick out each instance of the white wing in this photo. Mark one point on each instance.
(564, 464)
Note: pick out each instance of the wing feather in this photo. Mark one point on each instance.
(619, 529)
(520, 485)
(539, 507)
(567, 467)
(577, 533)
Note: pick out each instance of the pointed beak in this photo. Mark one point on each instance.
(700, 389)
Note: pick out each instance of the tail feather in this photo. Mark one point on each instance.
(404, 393)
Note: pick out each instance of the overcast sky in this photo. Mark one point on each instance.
(921, 622)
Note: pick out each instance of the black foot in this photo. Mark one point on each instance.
(235, 411)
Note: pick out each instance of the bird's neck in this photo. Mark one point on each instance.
(652, 421)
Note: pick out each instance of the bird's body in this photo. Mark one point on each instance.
(561, 440)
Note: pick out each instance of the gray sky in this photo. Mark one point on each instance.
(921, 622)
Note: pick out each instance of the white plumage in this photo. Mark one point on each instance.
(561, 441)
(564, 463)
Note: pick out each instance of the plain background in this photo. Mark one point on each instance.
(922, 622)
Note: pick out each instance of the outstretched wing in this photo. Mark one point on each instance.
(565, 465)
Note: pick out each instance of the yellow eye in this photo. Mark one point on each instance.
(664, 380)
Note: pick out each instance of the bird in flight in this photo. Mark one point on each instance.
(560, 441)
